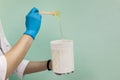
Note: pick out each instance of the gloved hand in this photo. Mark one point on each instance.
(33, 22)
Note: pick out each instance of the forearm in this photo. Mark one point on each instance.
(16, 54)
(35, 67)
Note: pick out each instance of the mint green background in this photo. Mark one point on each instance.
(94, 25)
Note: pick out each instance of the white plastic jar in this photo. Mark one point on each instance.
(62, 56)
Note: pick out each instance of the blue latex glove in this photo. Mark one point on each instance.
(33, 22)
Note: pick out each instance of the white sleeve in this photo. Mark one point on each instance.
(21, 68)
(3, 67)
